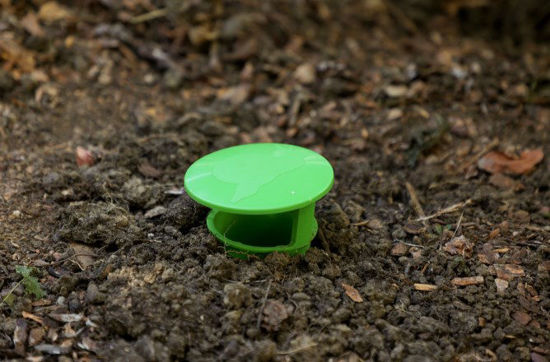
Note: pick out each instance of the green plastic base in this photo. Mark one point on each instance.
(289, 232)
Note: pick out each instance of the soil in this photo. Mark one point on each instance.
(403, 113)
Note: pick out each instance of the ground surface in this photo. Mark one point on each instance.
(404, 114)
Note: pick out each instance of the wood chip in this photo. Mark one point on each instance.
(67, 318)
(494, 233)
(425, 287)
(462, 282)
(33, 317)
(352, 293)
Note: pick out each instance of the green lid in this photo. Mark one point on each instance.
(259, 178)
(262, 196)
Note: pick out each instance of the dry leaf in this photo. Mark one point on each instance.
(509, 271)
(15, 54)
(459, 246)
(352, 293)
(83, 254)
(30, 23)
(51, 12)
(498, 162)
(84, 157)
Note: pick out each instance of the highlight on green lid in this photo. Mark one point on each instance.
(262, 196)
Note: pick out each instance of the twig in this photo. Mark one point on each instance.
(263, 305)
(458, 223)
(296, 350)
(446, 210)
(11, 292)
(151, 15)
(414, 200)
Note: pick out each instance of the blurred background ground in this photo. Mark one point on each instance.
(433, 244)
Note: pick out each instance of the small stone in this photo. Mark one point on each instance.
(155, 211)
(502, 285)
(521, 317)
(93, 295)
(396, 91)
(173, 78)
(305, 73)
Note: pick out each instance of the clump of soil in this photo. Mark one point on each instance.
(99, 224)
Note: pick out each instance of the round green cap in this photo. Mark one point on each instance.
(259, 178)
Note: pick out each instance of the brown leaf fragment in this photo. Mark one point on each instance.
(487, 255)
(51, 12)
(15, 55)
(425, 287)
(521, 317)
(509, 271)
(31, 24)
(148, 170)
(462, 282)
(352, 293)
(33, 317)
(494, 233)
(498, 162)
(459, 246)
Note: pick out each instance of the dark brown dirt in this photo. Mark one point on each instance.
(129, 269)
